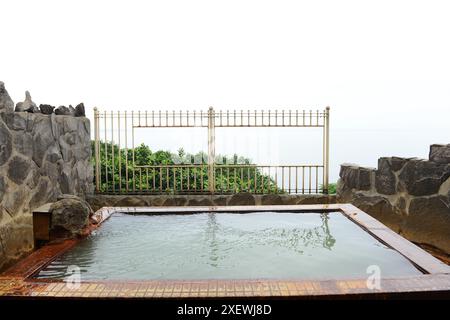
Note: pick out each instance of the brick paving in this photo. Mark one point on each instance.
(19, 287)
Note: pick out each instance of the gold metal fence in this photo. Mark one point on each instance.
(116, 170)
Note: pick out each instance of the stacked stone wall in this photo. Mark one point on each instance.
(410, 195)
(240, 199)
(41, 157)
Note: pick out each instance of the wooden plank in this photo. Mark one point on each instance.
(41, 225)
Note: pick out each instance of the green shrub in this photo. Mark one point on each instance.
(141, 178)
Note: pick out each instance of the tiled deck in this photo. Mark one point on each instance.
(17, 281)
(17, 287)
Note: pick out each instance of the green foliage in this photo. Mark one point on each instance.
(227, 179)
(331, 188)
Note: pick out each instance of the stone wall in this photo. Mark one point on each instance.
(41, 157)
(410, 195)
(98, 201)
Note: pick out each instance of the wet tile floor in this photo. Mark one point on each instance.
(18, 287)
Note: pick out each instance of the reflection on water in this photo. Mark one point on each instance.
(228, 245)
(211, 229)
(295, 239)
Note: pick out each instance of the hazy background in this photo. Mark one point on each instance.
(382, 66)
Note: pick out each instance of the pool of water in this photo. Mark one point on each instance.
(262, 245)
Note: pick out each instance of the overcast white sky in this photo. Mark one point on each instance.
(382, 66)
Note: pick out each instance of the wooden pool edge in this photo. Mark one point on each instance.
(17, 282)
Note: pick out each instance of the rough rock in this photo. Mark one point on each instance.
(131, 202)
(429, 221)
(355, 176)
(69, 217)
(68, 196)
(53, 154)
(79, 110)
(204, 202)
(33, 179)
(64, 111)
(385, 181)
(96, 202)
(71, 124)
(65, 179)
(271, 199)
(440, 153)
(13, 200)
(242, 199)
(42, 141)
(5, 143)
(42, 194)
(17, 121)
(175, 202)
(16, 239)
(349, 175)
(397, 163)
(409, 195)
(381, 209)
(420, 177)
(2, 188)
(27, 105)
(401, 204)
(220, 201)
(6, 103)
(24, 143)
(46, 108)
(286, 199)
(365, 178)
(18, 169)
(31, 167)
(316, 199)
(430, 205)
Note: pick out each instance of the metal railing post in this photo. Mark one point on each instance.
(97, 153)
(132, 150)
(326, 149)
(211, 150)
(113, 167)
